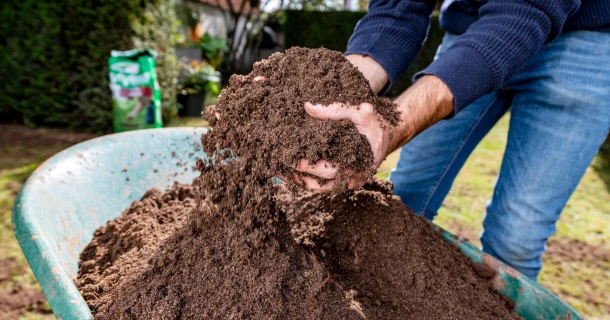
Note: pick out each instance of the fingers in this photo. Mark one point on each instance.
(321, 168)
(259, 78)
(357, 182)
(333, 111)
(311, 184)
(325, 170)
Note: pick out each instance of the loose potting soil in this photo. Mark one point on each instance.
(238, 245)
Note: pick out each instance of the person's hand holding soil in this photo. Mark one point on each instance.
(426, 102)
(367, 121)
(378, 133)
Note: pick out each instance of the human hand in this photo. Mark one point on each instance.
(367, 122)
(365, 119)
(379, 134)
(428, 101)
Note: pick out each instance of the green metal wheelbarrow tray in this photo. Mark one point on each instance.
(79, 189)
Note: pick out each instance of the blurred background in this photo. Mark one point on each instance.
(55, 92)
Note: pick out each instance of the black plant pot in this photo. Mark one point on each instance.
(192, 104)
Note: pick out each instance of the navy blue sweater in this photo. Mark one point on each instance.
(491, 49)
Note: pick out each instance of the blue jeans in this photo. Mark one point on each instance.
(560, 116)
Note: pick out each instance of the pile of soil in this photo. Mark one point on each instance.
(392, 261)
(242, 246)
(119, 247)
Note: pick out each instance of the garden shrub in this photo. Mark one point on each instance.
(332, 29)
(314, 29)
(54, 69)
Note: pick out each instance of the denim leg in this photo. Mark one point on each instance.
(430, 162)
(560, 116)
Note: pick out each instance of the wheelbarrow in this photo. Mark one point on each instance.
(79, 189)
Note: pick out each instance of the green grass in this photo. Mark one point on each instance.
(12, 178)
(583, 286)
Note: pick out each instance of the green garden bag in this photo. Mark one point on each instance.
(136, 97)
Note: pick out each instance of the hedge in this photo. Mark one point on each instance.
(54, 53)
(332, 29)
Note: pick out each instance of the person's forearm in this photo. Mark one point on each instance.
(497, 45)
(371, 70)
(426, 102)
(392, 33)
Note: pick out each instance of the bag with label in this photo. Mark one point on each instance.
(136, 97)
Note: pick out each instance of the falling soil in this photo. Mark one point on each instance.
(238, 245)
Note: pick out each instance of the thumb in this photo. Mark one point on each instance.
(333, 111)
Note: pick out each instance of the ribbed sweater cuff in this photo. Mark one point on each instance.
(465, 71)
(388, 53)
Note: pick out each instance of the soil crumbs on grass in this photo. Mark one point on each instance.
(227, 249)
(19, 298)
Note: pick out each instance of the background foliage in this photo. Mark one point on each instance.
(54, 53)
(332, 29)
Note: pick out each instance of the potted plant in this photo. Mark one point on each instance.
(213, 48)
(195, 80)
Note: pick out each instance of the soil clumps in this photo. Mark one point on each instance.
(121, 246)
(227, 249)
(393, 262)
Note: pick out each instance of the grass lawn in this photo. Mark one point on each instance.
(21, 151)
(577, 266)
